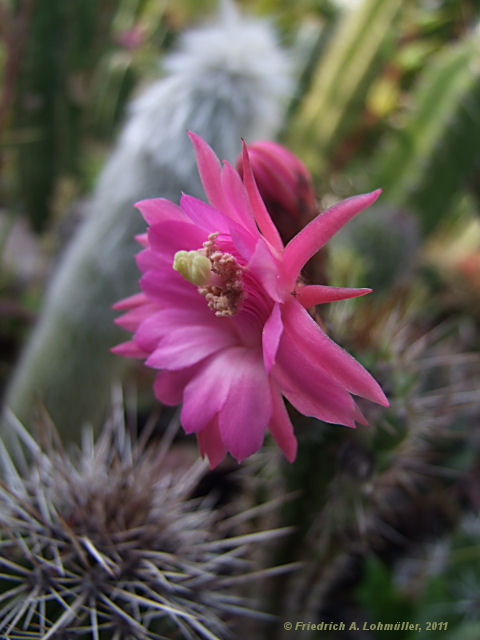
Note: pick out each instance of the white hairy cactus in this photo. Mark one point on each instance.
(227, 80)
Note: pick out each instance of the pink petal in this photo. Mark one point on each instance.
(169, 385)
(336, 362)
(172, 291)
(204, 215)
(149, 259)
(359, 417)
(131, 302)
(236, 197)
(310, 295)
(319, 231)
(129, 349)
(166, 238)
(264, 266)
(262, 216)
(167, 288)
(210, 172)
(142, 238)
(242, 239)
(175, 318)
(271, 333)
(248, 406)
(206, 393)
(149, 333)
(248, 325)
(281, 427)
(309, 388)
(165, 323)
(181, 348)
(160, 210)
(210, 443)
(132, 319)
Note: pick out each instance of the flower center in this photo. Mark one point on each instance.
(192, 266)
(217, 275)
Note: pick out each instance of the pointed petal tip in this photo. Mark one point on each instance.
(128, 349)
(318, 232)
(145, 203)
(197, 141)
(374, 195)
(311, 295)
(200, 145)
(212, 459)
(260, 212)
(359, 417)
(211, 463)
(379, 397)
(121, 305)
(131, 301)
(292, 454)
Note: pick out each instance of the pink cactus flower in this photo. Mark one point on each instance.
(222, 315)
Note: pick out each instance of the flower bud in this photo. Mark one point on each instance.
(284, 184)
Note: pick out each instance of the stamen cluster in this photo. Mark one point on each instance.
(225, 297)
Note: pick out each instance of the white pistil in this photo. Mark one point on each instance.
(193, 266)
(217, 275)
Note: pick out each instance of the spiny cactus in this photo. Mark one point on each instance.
(372, 483)
(110, 543)
(384, 242)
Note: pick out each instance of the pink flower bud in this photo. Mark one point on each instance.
(285, 185)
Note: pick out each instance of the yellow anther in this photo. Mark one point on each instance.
(193, 266)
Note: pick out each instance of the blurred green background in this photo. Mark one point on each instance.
(387, 95)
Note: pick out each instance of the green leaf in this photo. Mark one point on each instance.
(429, 159)
(340, 82)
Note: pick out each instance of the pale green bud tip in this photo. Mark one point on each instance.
(193, 266)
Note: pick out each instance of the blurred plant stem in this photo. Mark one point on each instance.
(349, 63)
(64, 42)
(434, 151)
(13, 31)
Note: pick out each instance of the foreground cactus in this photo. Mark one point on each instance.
(110, 543)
